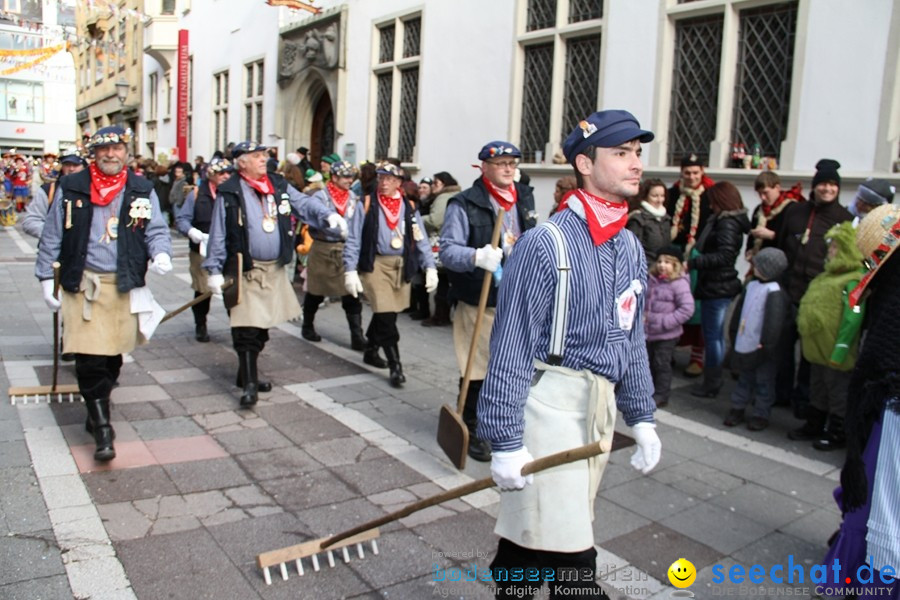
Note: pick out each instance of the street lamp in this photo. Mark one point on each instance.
(122, 88)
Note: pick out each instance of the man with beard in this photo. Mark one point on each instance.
(36, 213)
(325, 266)
(192, 220)
(387, 244)
(252, 220)
(104, 226)
(466, 253)
(559, 369)
(688, 205)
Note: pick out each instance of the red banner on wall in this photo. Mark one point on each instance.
(181, 114)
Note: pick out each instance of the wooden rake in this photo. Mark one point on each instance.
(368, 531)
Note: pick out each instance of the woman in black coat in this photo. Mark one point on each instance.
(719, 246)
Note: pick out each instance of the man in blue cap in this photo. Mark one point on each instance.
(251, 226)
(192, 219)
(70, 162)
(466, 253)
(104, 226)
(567, 350)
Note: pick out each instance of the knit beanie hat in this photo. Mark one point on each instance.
(875, 192)
(671, 250)
(770, 263)
(827, 170)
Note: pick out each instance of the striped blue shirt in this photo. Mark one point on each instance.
(594, 340)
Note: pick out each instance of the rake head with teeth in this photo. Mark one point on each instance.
(311, 549)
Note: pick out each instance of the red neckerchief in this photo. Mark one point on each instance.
(261, 185)
(604, 218)
(212, 190)
(105, 187)
(505, 198)
(339, 197)
(792, 195)
(391, 207)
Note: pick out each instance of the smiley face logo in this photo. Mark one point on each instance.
(682, 573)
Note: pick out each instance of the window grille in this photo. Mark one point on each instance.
(412, 33)
(695, 87)
(386, 45)
(763, 83)
(582, 80)
(409, 95)
(585, 10)
(536, 99)
(383, 116)
(541, 14)
(168, 7)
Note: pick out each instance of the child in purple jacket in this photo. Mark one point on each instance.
(667, 306)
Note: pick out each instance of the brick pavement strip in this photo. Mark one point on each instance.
(331, 446)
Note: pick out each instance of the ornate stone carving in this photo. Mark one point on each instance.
(315, 47)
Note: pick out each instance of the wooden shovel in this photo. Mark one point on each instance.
(452, 434)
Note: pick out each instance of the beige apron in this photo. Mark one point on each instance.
(198, 273)
(463, 327)
(384, 286)
(98, 318)
(565, 409)
(267, 297)
(325, 269)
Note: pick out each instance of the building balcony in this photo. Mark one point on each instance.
(161, 39)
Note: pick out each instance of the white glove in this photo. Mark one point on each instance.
(488, 258)
(336, 221)
(506, 468)
(431, 280)
(52, 303)
(161, 264)
(352, 283)
(205, 239)
(215, 282)
(649, 447)
(195, 235)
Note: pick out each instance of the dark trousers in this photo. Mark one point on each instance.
(249, 339)
(97, 374)
(510, 556)
(660, 354)
(470, 408)
(785, 390)
(351, 305)
(756, 385)
(443, 288)
(382, 329)
(200, 310)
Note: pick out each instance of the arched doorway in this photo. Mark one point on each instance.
(322, 133)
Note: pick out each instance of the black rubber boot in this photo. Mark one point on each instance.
(370, 357)
(100, 427)
(393, 358)
(712, 383)
(478, 449)
(201, 334)
(834, 438)
(357, 339)
(308, 330)
(813, 428)
(247, 363)
(261, 386)
(419, 303)
(441, 315)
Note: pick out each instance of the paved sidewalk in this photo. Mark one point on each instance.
(200, 487)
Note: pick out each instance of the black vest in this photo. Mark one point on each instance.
(368, 245)
(236, 237)
(466, 287)
(203, 208)
(131, 251)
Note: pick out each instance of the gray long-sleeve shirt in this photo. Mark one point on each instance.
(383, 244)
(456, 254)
(101, 256)
(185, 214)
(36, 213)
(263, 246)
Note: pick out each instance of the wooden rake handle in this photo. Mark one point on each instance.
(541, 464)
(195, 301)
(482, 304)
(56, 268)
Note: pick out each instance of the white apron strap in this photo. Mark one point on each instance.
(561, 300)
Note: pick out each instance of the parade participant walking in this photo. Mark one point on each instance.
(466, 253)
(325, 261)
(251, 226)
(541, 398)
(70, 162)
(193, 220)
(103, 228)
(386, 245)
